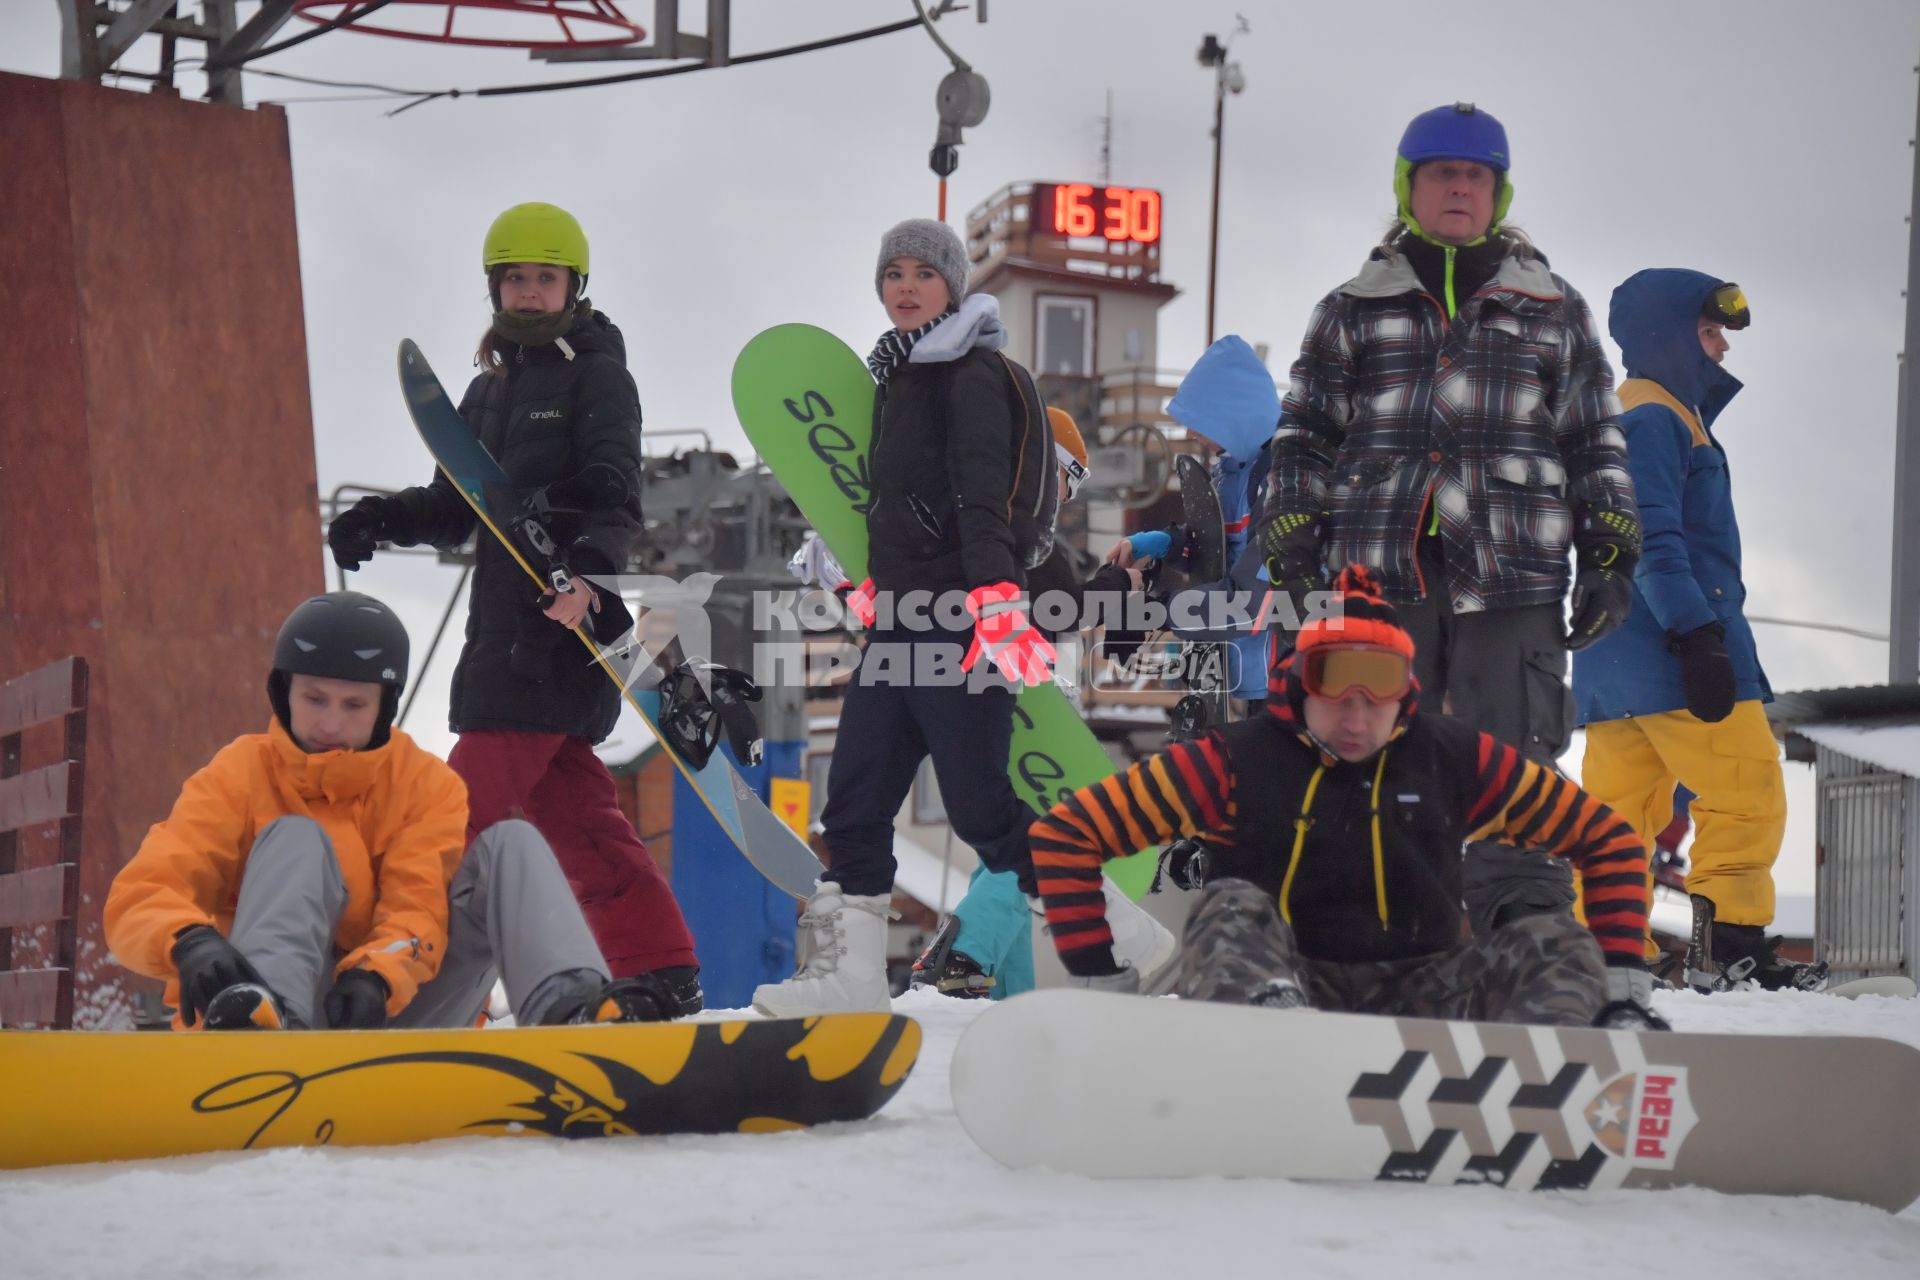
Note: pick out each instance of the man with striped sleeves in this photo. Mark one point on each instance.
(1337, 825)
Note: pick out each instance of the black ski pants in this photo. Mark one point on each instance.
(909, 700)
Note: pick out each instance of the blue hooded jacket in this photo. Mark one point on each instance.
(1229, 397)
(1689, 571)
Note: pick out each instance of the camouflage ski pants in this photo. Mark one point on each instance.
(1540, 968)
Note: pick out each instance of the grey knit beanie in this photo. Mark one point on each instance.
(935, 244)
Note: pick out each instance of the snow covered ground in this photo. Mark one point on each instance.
(906, 1194)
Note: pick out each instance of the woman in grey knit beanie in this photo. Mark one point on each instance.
(934, 243)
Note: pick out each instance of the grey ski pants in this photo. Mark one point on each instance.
(1503, 671)
(1540, 968)
(510, 915)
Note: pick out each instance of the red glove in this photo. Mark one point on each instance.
(1003, 632)
(859, 600)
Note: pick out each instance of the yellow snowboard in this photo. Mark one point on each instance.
(69, 1097)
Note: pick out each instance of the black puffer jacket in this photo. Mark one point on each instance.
(965, 487)
(548, 419)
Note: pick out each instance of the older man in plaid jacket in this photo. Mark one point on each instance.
(1451, 421)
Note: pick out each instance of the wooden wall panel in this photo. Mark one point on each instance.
(159, 511)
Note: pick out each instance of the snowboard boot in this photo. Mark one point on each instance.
(247, 1006)
(846, 970)
(1139, 941)
(680, 983)
(950, 972)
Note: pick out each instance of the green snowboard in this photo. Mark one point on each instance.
(806, 401)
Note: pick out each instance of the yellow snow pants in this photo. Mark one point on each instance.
(1740, 810)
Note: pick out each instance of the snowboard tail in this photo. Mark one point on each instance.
(72, 1097)
(1213, 1089)
(766, 841)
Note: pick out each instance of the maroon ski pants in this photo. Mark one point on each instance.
(558, 784)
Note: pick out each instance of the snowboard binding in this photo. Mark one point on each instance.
(1184, 863)
(951, 973)
(1191, 716)
(693, 717)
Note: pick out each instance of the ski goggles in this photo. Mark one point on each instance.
(1727, 305)
(1335, 671)
(1076, 471)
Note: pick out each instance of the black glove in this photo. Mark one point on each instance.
(1608, 543)
(207, 964)
(357, 1001)
(1706, 672)
(1291, 540)
(356, 531)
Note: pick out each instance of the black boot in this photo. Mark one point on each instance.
(1722, 956)
(682, 983)
(950, 972)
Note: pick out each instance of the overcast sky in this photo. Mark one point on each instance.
(1763, 142)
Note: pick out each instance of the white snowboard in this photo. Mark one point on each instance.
(1892, 985)
(1129, 1087)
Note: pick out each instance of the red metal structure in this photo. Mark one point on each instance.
(580, 24)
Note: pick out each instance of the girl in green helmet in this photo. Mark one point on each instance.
(554, 403)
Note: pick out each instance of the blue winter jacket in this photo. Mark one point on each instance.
(1229, 397)
(1689, 572)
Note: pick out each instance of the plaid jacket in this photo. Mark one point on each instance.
(1505, 417)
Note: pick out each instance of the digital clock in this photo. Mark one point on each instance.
(1082, 209)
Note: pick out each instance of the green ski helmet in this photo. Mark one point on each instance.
(536, 232)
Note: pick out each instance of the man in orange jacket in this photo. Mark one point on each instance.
(317, 874)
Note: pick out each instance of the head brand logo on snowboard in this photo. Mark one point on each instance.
(1644, 1117)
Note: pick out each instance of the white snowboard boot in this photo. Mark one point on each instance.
(1138, 939)
(847, 972)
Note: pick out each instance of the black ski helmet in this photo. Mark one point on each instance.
(343, 635)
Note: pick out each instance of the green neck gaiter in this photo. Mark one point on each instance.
(533, 329)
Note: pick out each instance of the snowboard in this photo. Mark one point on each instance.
(1206, 529)
(1127, 1087)
(766, 841)
(1206, 562)
(1892, 985)
(69, 1097)
(805, 400)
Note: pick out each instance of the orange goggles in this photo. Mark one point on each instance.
(1378, 675)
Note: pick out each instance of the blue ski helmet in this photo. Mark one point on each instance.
(1457, 132)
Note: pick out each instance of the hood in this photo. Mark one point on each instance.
(333, 776)
(1229, 397)
(1388, 274)
(1655, 317)
(974, 323)
(593, 331)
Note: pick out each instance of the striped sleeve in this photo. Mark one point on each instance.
(1185, 790)
(1531, 805)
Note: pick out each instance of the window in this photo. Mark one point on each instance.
(1066, 336)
